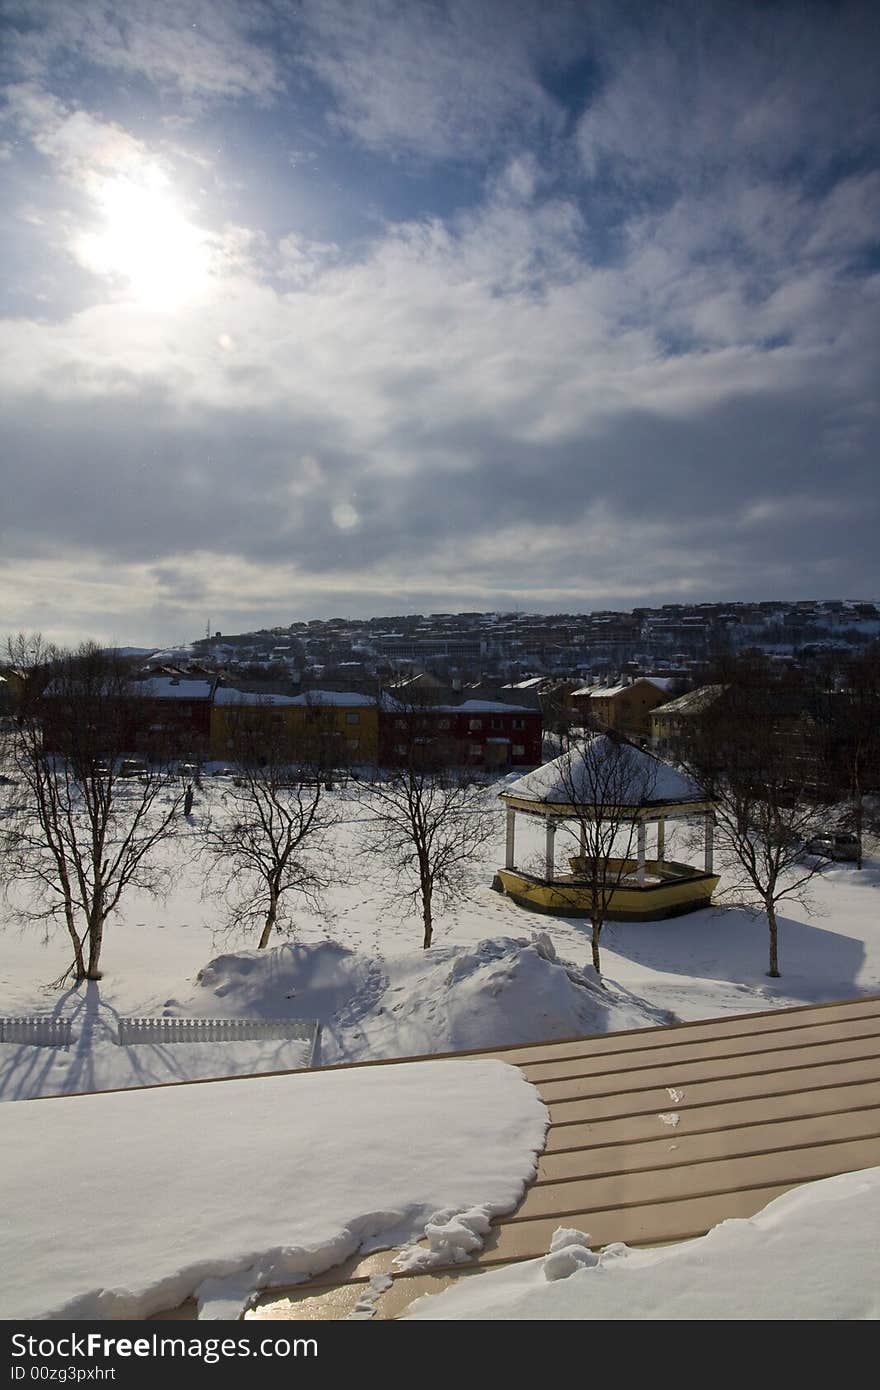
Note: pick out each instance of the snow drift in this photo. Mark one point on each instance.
(500, 992)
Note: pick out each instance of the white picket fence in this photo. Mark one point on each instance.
(40, 1030)
(176, 1030)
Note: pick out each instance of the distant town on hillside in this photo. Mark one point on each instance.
(678, 641)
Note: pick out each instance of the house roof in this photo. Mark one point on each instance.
(227, 696)
(169, 688)
(466, 707)
(349, 698)
(692, 702)
(607, 692)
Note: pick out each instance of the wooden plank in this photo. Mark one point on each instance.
(785, 1168)
(675, 1149)
(682, 1074)
(653, 1224)
(657, 1098)
(703, 1049)
(737, 1025)
(634, 1129)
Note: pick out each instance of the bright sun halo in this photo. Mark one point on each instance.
(146, 241)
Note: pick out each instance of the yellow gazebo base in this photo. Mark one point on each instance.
(669, 890)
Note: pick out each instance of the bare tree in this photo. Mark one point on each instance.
(268, 842)
(427, 819)
(79, 832)
(604, 779)
(754, 753)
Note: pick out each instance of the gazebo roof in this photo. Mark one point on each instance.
(573, 777)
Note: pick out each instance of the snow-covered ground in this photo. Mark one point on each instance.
(117, 1206)
(359, 969)
(811, 1254)
(245, 1184)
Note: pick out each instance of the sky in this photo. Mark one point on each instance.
(352, 307)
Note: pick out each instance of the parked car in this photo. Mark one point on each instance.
(132, 767)
(836, 844)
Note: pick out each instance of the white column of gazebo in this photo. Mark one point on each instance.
(642, 818)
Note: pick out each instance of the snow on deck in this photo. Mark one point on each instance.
(657, 1135)
(122, 1204)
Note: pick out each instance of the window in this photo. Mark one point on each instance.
(519, 750)
(400, 723)
(496, 723)
(352, 744)
(475, 724)
(475, 750)
(444, 724)
(519, 723)
(400, 749)
(352, 719)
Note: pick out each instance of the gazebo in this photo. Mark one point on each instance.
(647, 791)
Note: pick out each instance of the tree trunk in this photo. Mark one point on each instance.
(79, 965)
(597, 927)
(96, 941)
(426, 916)
(270, 920)
(774, 944)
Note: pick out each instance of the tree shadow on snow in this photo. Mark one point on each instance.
(730, 944)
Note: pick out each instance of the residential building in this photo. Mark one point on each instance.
(627, 707)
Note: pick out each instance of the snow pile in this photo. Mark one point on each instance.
(452, 1236)
(811, 1254)
(120, 1205)
(499, 992)
(569, 1251)
(289, 981)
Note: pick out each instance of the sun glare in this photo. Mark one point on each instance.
(146, 241)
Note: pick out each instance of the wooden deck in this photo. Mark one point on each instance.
(657, 1135)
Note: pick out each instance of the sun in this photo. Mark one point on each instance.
(145, 241)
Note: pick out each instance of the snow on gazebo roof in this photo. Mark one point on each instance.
(571, 779)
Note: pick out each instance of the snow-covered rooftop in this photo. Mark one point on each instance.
(466, 707)
(487, 707)
(348, 698)
(607, 692)
(226, 696)
(170, 688)
(692, 702)
(644, 780)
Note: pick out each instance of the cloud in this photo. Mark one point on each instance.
(733, 86)
(206, 49)
(641, 363)
(438, 80)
